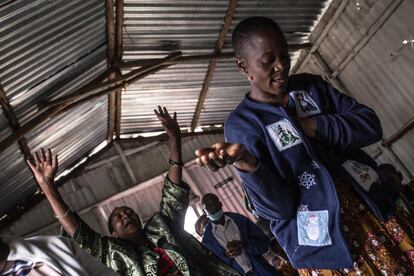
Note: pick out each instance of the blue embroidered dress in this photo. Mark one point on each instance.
(292, 185)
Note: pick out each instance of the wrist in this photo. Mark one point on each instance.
(247, 162)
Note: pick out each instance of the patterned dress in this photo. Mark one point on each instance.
(164, 230)
(378, 248)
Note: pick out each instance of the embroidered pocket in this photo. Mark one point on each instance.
(305, 105)
(363, 174)
(283, 134)
(313, 229)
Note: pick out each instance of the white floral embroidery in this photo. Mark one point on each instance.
(303, 208)
(314, 165)
(307, 180)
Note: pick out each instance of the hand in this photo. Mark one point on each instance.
(234, 248)
(308, 126)
(169, 124)
(44, 167)
(221, 154)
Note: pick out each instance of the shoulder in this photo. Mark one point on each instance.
(303, 81)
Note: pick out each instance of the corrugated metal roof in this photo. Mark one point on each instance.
(49, 49)
(155, 28)
(46, 43)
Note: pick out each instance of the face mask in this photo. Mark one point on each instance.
(216, 216)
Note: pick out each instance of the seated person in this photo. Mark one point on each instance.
(161, 247)
(235, 239)
(48, 255)
(406, 200)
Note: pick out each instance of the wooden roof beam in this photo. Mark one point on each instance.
(119, 23)
(228, 18)
(88, 93)
(110, 53)
(13, 122)
(198, 58)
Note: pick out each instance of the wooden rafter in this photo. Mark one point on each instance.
(110, 54)
(13, 122)
(198, 58)
(228, 18)
(119, 23)
(88, 93)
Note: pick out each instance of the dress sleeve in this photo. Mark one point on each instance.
(174, 202)
(349, 124)
(92, 242)
(271, 196)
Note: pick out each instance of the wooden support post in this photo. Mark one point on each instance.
(126, 164)
(110, 53)
(228, 18)
(119, 23)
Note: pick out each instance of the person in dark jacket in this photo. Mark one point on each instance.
(296, 142)
(235, 239)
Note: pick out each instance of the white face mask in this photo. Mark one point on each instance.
(216, 216)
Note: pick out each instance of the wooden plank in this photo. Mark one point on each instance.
(228, 18)
(112, 85)
(13, 122)
(398, 134)
(51, 111)
(110, 58)
(118, 58)
(199, 58)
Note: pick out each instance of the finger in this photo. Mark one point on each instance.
(203, 151)
(198, 161)
(226, 157)
(166, 112)
(220, 163)
(49, 156)
(31, 164)
(160, 111)
(159, 116)
(42, 155)
(55, 163)
(37, 159)
(209, 163)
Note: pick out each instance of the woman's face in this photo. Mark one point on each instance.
(267, 62)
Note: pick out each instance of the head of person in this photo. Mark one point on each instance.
(212, 207)
(200, 225)
(261, 52)
(391, 175)
(124, 223)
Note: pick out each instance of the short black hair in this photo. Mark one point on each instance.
(244, 30)
(209, 195)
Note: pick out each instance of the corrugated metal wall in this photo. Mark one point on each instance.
(365, 50)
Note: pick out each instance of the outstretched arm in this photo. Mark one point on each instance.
(174, 202)
(171, 127)
(44, 167)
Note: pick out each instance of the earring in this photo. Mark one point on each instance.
(249, 78)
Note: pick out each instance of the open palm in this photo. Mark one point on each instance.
(169, 124)
(44, 166)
